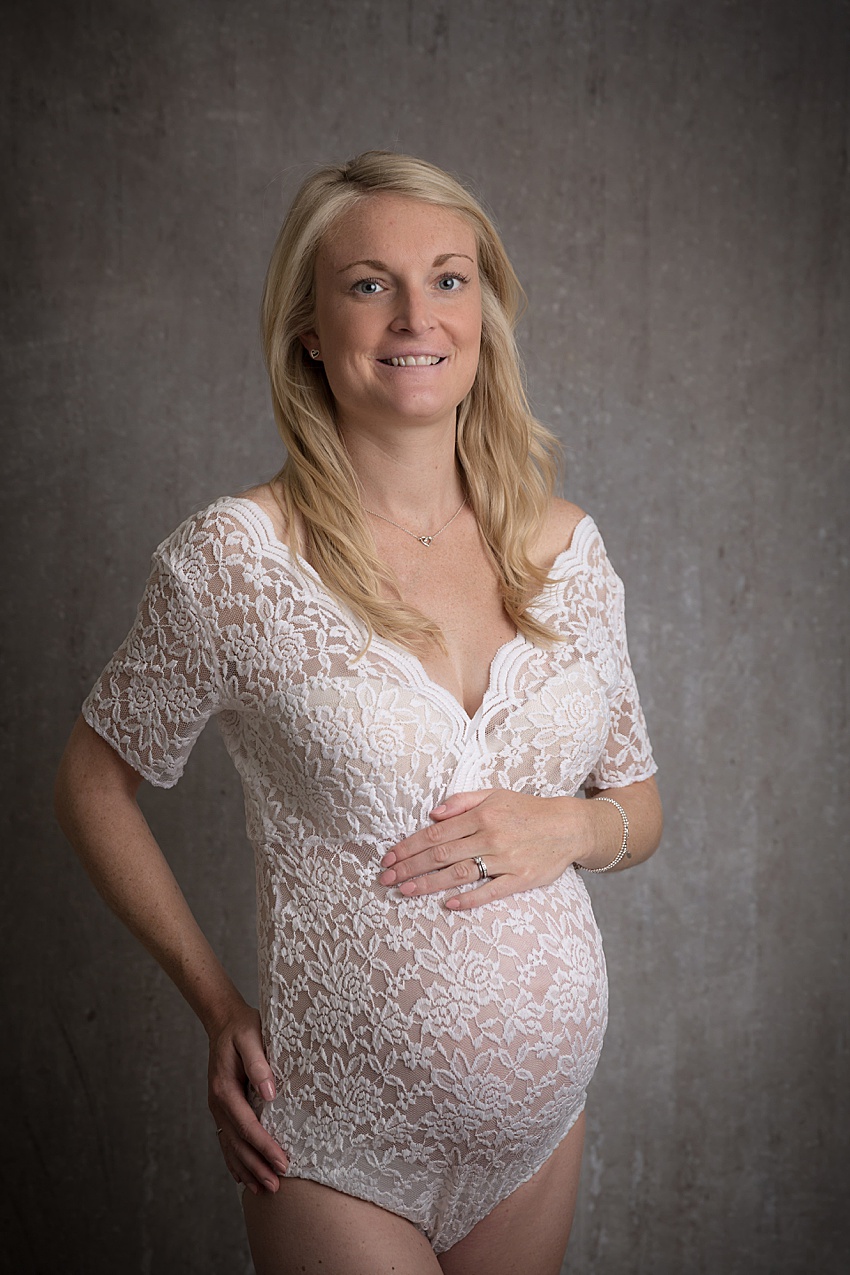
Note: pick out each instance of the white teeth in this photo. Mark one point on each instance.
(422, 360)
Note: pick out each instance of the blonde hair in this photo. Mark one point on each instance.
(506, 458)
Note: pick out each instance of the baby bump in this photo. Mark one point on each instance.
(512, 997)
(391, 1014)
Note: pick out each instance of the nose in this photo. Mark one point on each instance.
(413, 313)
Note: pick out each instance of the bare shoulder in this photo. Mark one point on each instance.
(557, 533)
(264, 496)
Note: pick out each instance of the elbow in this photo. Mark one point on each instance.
(651, 817)
(657, 826)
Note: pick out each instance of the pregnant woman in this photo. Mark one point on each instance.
(418, 662)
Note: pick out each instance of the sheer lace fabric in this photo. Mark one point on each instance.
(427, 1061)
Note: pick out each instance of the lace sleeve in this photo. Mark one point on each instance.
(627, 756)
(155, 695)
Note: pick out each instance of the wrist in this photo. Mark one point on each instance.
(607, 835)
(216, 1012)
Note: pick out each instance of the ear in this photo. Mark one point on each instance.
(310, 341)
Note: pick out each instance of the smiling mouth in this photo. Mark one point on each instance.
(414, 360)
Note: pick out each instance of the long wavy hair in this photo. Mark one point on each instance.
(507, 459)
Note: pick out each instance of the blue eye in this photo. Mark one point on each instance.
(368, 287)
(451, 282)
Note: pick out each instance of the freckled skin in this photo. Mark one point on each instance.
(414, 303)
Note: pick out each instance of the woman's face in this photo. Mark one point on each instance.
(396, 281)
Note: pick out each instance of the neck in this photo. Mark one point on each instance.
(414, 480)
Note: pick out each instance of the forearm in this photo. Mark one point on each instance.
(642, 805)
(97, 810)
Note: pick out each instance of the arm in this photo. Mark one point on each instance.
(642, 804)
(525, 841)
(97, 810)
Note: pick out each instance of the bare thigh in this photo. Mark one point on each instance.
(310, 1229)
(527, 1233)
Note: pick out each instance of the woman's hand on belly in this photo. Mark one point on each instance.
(237, 1058)
(524, 842)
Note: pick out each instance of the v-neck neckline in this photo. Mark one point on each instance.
(425, 678)
(297, 562)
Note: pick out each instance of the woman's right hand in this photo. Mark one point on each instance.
(97, 809)
(237, 1058)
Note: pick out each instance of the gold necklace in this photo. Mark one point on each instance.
(423, 540)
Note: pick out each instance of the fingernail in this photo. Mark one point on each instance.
(387, 878)
(281, 1166)
(267, 1090)
(253, 1188)
(438, 810)
(271, 1184)
(407, 887)
(388, 858)
(452, 903)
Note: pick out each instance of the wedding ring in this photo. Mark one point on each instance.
(481, 866)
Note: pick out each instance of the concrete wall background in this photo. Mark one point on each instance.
(671, 182)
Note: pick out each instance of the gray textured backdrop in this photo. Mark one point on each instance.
(671, 182)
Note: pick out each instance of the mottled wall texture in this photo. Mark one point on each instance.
(670, 178)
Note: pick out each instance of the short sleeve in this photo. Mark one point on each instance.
(155, 695)
(627, 756)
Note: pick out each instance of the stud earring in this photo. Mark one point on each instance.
(314, 354)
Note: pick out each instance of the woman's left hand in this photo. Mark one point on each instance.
(524, 842)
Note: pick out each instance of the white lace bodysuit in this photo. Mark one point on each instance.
(426, 1060)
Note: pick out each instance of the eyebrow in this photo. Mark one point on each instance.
(381, 265)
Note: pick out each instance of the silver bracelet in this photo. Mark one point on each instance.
(624, 848)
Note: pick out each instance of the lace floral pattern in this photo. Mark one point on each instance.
(427, 1061)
